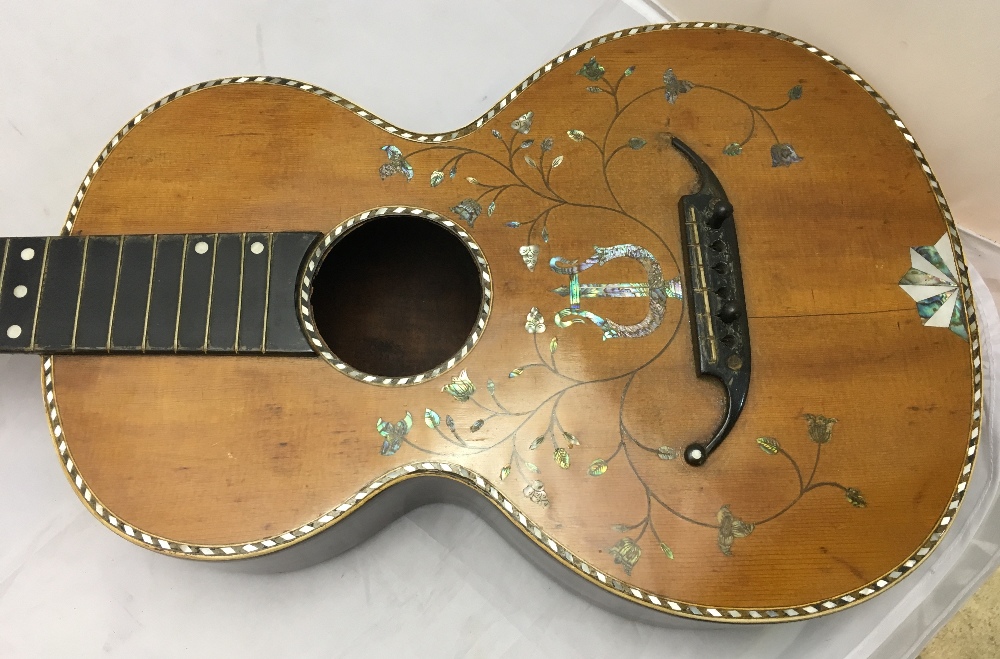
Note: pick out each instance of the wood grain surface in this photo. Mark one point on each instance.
(230, 450)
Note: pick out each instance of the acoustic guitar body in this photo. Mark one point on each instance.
(549, 315)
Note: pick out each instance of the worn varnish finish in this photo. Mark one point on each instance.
(231, 450)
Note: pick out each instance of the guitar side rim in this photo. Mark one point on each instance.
(475, 481)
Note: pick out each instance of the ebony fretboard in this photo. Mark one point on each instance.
(221, 293)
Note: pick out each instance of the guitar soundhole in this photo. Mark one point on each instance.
(397, 296)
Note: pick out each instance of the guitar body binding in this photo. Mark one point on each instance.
(567, 410)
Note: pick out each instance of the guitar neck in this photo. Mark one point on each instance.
(224, 293)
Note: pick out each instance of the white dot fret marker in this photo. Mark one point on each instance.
(257, 247)
(201, 247)
(13, 331)
(27, 254)
(20, 291)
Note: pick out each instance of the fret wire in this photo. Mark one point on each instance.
(180, 291)
(114, 295)
(3, 266)
(211, 290)
(149, 293)
(79, 293)
(239, 297)
(41, 285)
(267, 290)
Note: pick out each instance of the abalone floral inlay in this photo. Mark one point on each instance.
(534, 324)
(396, 165)
(820, 431)
(534, 152)
(626, 553)
(461, 387)
(730, 527)
(528, 163)
(393, 434)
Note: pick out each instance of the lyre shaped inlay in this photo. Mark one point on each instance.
(655, 288)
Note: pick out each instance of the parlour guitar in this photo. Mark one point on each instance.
(685, 315)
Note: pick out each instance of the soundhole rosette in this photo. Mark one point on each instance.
(313, 289)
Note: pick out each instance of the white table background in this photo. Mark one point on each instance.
(439, 582)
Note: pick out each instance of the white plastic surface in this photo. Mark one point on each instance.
(439, 582)
(930, 59)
